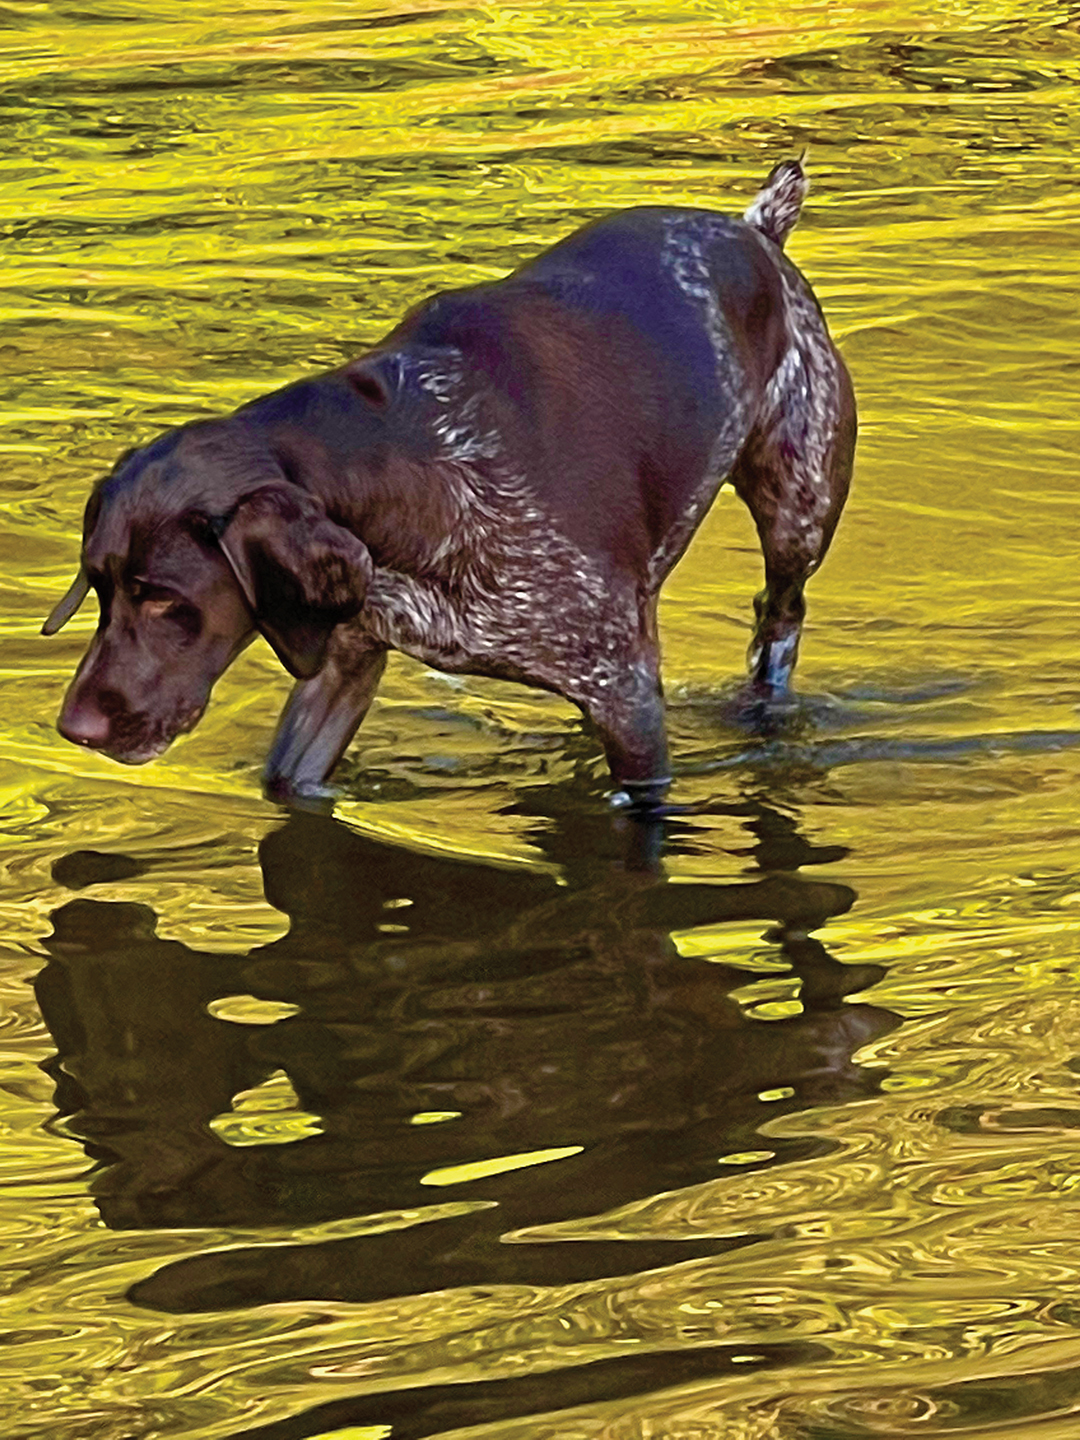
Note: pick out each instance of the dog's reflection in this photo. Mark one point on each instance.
(516, 1011)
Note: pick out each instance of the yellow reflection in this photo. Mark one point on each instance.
(356, 1432)
(247, 1010)
(267, 1114)
(458, 1174)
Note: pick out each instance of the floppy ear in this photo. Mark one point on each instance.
(300, 572)
(80, 588)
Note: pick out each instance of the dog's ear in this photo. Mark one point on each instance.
(80, 586)
(62, 613)
(300, 572)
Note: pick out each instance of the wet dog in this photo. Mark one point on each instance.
(499, 487)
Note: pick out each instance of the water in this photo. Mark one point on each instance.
(462, 1108)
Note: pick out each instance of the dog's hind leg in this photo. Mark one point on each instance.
(794, 475)
(322, 715)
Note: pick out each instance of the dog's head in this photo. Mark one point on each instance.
(193, 544)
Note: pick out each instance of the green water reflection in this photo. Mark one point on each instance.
(764, 1200)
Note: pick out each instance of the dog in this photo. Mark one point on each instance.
(499, 487)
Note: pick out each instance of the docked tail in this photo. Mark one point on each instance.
(776, 206)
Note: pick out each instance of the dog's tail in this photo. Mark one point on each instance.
(775, 208)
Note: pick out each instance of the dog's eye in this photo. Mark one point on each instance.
(155, 602)
(183, 617)
(156, 607)
(142, 592)
(186, 618)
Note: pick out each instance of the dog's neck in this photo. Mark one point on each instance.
(409, 477)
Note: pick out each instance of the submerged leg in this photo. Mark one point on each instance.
(322, 715)
(779, 610)
(628, 717)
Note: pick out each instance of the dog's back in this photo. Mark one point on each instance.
(648, 337)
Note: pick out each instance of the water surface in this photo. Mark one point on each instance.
(467, 1107)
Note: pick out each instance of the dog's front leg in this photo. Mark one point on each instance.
(627, 714)
(322, 715)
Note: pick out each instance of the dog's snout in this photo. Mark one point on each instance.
(91, 719)
(84, 725)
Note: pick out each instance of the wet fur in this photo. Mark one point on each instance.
(500, 487)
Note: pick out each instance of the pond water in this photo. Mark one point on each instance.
(466, 1107)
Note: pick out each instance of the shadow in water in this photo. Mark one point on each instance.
(450, 1012)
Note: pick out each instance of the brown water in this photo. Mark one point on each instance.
(441, 1114)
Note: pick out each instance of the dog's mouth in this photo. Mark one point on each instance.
(136, 757)
(140, 749)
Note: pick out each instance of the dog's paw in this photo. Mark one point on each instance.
(643, 797)
(762, 709)
(303, 795)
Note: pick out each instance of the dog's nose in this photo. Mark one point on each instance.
(83, 723)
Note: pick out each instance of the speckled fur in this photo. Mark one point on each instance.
(501, 561)
(775, 208)
(801, 414)
(687, 242)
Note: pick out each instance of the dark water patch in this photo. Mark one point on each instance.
(1038, 1399)
(971, 1121)
(826, 755)
(92, 867)
(843, 707)
(437, 1409)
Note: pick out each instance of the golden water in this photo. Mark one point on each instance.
(787, 1134)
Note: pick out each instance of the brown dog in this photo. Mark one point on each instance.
(498, 488)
